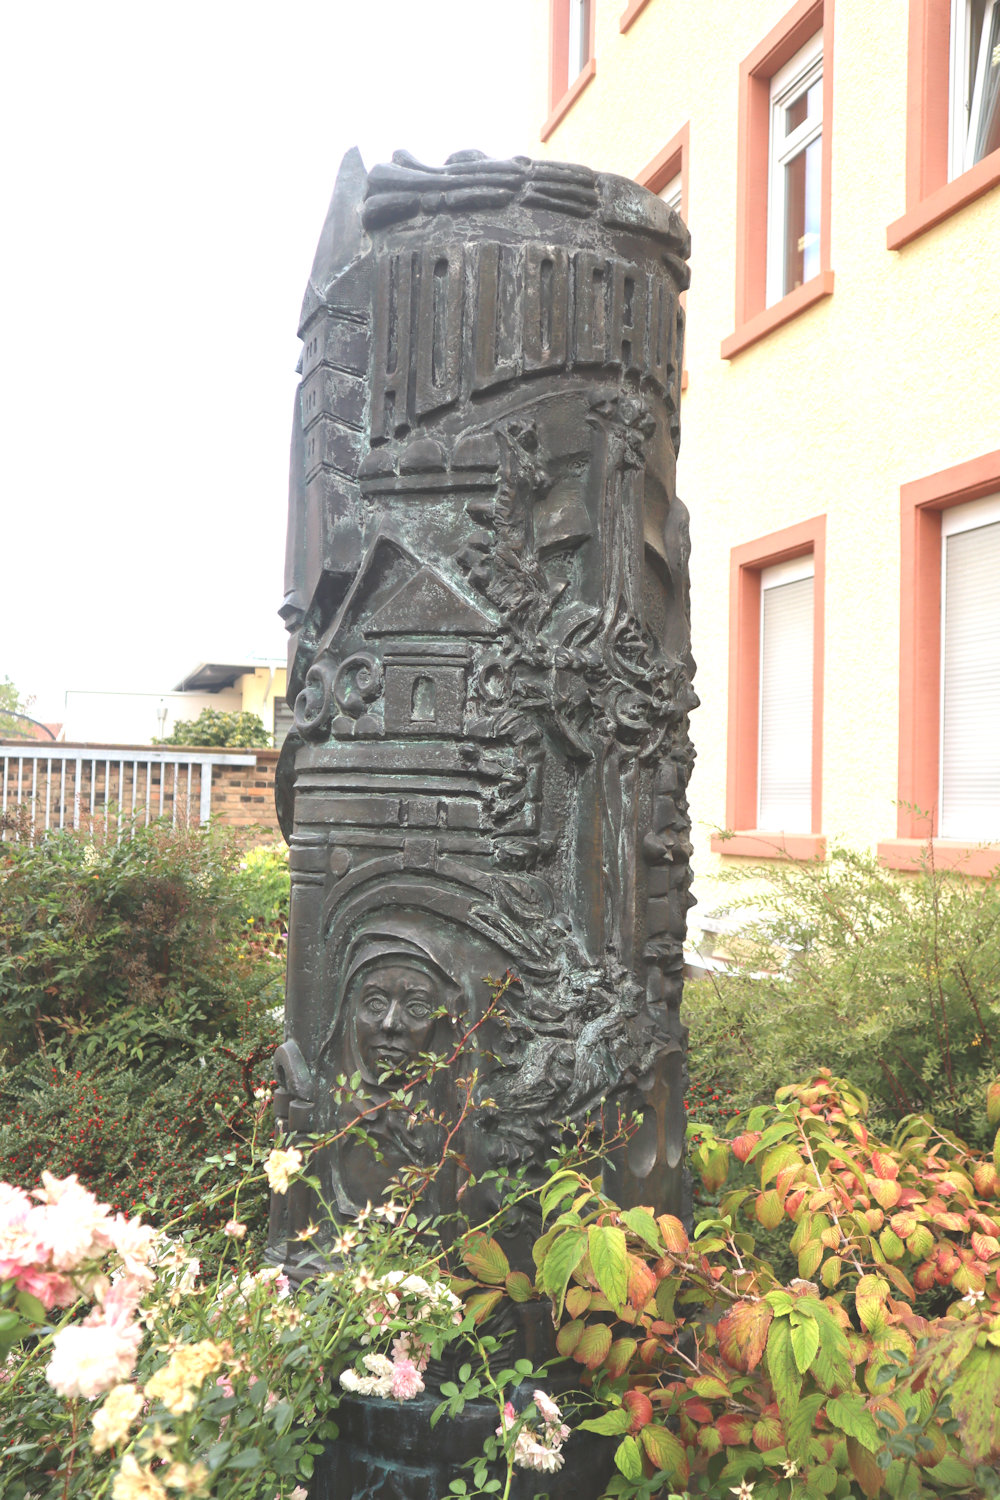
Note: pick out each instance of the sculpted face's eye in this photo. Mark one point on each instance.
(375, 1003)
(418, 1009)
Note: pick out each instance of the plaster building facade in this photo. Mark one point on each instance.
(838, 164)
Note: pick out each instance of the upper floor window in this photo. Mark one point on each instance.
(578, 47)
(795, 171)
(672, 192)
(975, 83)
(571, 56)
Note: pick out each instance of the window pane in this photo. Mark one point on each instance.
(579, 37)
(670, 192)
(970, 663)
(806, 107)
(786, 683)
(802, 204)
(987, 122)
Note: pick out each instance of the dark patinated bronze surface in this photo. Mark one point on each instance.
(487, 596)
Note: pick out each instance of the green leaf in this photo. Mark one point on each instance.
(800, 1424)
(560, 1187)
(850, 1414)
(608, 1425)
(642, 1223)
(250, 1458)
(30, 1307)
(779, 1360)
(609, 1258)
(783, 1155)
(561, 1260)
(628, 1458)
(805, 1342)
(519, 1288)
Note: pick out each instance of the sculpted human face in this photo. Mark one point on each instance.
(394, 1013)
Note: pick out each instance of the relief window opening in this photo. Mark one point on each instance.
(423, 701)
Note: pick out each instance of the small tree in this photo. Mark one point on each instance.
(12, 703)
(212, 727)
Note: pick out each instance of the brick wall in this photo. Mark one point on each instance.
(242, 795)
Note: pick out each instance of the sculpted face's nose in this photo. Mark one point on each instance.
(393, 1020)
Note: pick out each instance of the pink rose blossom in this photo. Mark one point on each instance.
(87, 1361)
(547, 1408)
(71, 1226)
(407, 1381)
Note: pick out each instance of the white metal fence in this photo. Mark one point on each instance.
(63, 785)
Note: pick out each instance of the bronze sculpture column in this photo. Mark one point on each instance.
(487, 596)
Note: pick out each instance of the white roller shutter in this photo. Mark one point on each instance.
(786, 698)
(970, 672)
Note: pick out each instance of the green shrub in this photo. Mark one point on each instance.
(895, 982)
(139, 1008)
(266, 887)
(213, 727)
(145, 929)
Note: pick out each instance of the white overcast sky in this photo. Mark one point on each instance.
(167, 171)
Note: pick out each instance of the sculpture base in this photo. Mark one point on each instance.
(389, 1451)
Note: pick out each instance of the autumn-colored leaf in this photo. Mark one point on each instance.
(485, 1259)
(864, 1468)
(993, 1102)
(593, 1346)
(969, 1279)
(744, 1144)
(578, 1301)
(619, 1357)
(569, 1336)
(697, 1411)
(778, 1159)
(674, 1235)
(734, 1429)
(767, 1433)
(884, 1165)
(665, 1451)
(831, 1271)
(642, 1283)
(984, 1179)
(481, 1304)
(985, 1245)
(638, 1404)
(709, 1387)
(742, 1334)
(886, 1191)
(947, 1220)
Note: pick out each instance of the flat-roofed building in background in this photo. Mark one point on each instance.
(838, 165)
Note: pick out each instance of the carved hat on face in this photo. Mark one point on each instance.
(395, 984)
